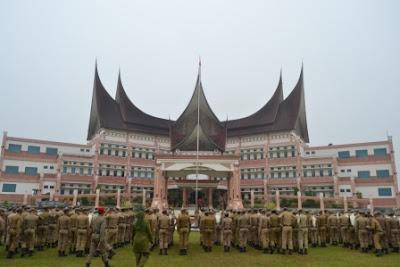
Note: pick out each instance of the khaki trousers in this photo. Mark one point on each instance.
(243, 235)
(264, 237)
(344, 230)
(94, 244)
(62, 239)
(287, 237)
(363, 236)
(111, 236)
(163, 236)
(183, 237)
(227, 235)
(81, 238)
(208, 237)
(29, 238)
(303, 238)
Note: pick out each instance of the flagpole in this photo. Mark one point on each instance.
(197, 137)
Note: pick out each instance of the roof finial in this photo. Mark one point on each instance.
(199, 75)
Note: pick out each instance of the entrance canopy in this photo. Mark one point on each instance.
(185, 165)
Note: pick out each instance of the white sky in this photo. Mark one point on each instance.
(350, 51)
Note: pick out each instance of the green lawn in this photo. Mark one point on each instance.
(330, 256)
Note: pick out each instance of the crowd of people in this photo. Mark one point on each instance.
(100, 232)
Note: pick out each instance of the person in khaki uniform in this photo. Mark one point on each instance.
(286, 223)
(376, 229)
(163, 230)
(154, 225)
(51, 232)
(253, 228)
(208, 226)
(321, 226)
(263, 231)
(333, 223)
(385, 225)
(243, 226)
(393, 231)
(303, 225)
(112, 231)
(361, 231)
(43, 228)
(97, 240)
(72, 236)
(2, 226)
(183, 228)
(275, 232)
(15, 230)
(64, 229)
(29, 225)
(344, 223)
(172, 224)
(313, 230)
(121, 227)
(129, 222)
(82, 226)
(226, 230)
(295, 233)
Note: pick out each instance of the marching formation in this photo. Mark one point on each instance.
(99, 232)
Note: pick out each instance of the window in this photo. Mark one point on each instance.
(72, 170)
(321, 173)
(100, 172)
(294, 174)
(107, 172)
(241, 157)
(146, 175)
(256, 176)
(14, 148)
(382, 192)
(249, 176)
(362, 153)
(139, 174)
(116, 153)
(64, 169)
(140, 155)
(272, 175)
(248, 156)
(109, 152)
(271, 155)
(255, 156)
(51, 151)
(330, 172)
(382, 173)
(305, 174)
(30, 170)
(279, 175)
(101, 151)
(152, 175)
(123, 154)
(341, 190)
(9, 188)
(133, 154)
(153, 157)
(278, 155)
(132, 173)
(262, 175)
(287, 174)
(89, 172)
(115, 173)
(147, 156)
(380, 152)
(262, 155)
(285, 154)
(33, 149)
(12, 169)
(343, 154)
(348, 190)
(364, 174)
(293, 154)
(313, 173)
(51, 167)
(342, 170)
(81, 171)
(46, 187)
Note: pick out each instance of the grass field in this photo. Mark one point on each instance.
(330, 256)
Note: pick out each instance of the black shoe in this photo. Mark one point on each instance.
(59, 254)
(185, 251)
(283, 252)
(30, 253)
(290, 252)
(161, 252)
(111, 253)
(300, 251)
(23, 252)
(10, 254)
(272, 250)
(87, 264)
(7, 247)
(97, 254)
(106, 264)
(265, 251)
(165, 251)
(379, 253)
(227, 249)
(115, 246)
(305, 251)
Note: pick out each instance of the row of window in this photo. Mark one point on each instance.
(363, 153)
(379, 174)
(135, 154)
(15, 170)
(74, 170)
(321, 173)
(32, 149)
(254, 176)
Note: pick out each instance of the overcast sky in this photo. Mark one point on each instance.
(350, 51)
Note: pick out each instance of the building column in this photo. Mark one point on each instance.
(229, 192)
(41, 181)
(277, 201)
(371, 205)
(265, 189)
(119, 198)
(299, 203)
(252, 198)
(321, 201)
(157, 200)
(345, 205)
(25, 199)
(184, 197)
(237, 199)
(210, 204)
(51, 198)
(165, 199)
(75, 199)
(58, 179)
(96, 202)
(353, 191)
(394, 173)
(144, 198)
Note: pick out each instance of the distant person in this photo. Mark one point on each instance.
(199, 203)
(141, 238)
(369, 207)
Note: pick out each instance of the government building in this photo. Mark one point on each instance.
(129, 151)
